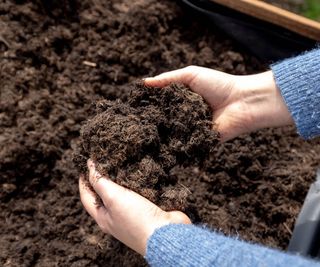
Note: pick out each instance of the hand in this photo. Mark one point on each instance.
(125, 215)
(241, 104)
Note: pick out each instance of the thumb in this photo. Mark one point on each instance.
(185, 76)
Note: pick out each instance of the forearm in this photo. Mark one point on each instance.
(188, 245)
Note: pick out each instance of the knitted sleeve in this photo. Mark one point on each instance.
(188, 245)
(298, 79)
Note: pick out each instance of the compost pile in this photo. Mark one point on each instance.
(144, 143)
(58, 59)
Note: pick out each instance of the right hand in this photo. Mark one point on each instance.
(124, 214)
(240, 104)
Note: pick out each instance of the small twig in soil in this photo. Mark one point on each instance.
(185, 188)
(90, 64)
(4, 41)
(288, 229)
(100, 245)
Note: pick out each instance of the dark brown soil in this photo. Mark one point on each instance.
(54, 66)
(140, 143)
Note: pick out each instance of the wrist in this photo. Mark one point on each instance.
(264, 101)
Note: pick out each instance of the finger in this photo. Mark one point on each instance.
(177, 76)
(98, 213)
(112, 194)
(100, 184)
(108, 191)
(88, 199)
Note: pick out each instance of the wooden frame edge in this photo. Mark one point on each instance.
(275, 15)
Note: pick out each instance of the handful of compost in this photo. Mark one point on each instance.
(144, 143)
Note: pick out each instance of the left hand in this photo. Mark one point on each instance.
(125, 215)
(240, 104)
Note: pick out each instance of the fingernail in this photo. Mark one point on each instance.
(90, 164)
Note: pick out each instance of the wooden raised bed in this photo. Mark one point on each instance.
(275, 15)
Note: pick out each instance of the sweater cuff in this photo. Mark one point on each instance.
(183, 245)
(188, 245)
(298, 79)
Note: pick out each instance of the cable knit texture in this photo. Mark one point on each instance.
(189, 245)
(299, 82)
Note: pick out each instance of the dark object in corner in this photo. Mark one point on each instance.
(305, 239)
(266, 41)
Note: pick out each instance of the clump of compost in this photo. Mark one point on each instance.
(146, 142)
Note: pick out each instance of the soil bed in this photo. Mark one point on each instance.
(54, 66)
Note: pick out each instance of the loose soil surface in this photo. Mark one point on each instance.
(55, 62)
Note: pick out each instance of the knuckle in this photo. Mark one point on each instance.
(191, 68)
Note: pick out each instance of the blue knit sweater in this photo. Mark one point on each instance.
(188, 245)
